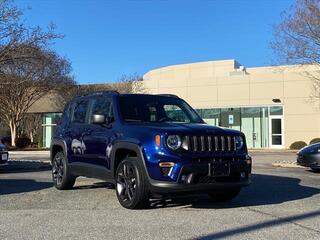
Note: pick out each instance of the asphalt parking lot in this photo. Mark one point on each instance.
(281, 203)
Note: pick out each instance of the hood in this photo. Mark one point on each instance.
(187, 128)
(313, 148)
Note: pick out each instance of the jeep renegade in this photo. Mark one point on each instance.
(147, 144)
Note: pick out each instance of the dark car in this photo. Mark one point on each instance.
(309, 156)
(4, 156)
(146, 145)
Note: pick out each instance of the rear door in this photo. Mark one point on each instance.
(78, 130)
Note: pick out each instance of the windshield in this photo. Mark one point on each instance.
(153, 108)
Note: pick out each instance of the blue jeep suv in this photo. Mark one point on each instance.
(145, 145)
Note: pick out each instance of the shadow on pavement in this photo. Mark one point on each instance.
(263, 225)
(25, 166)
(264, 190)
(10, 186)
(95, 185)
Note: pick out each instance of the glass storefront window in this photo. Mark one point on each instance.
(276, 131)
(49, 122)
(211, 116)
(264, 127)
(231, 118)
(276, 110)
(254, 122)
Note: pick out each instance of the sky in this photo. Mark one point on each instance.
(106, 39)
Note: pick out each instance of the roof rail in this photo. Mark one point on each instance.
(168, 95)
(106, 91)
(99, 93)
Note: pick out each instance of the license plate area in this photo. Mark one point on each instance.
(220, 169)
(4, 156)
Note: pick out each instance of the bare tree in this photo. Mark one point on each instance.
(126, 84)
(30, 125)
(130, 84)
(297, 39)
(22, 83)
(28, 69)
(14, 34)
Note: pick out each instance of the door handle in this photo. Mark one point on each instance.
(67, 132)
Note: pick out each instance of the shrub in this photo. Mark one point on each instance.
(298, 145)
(23, 142)
(315, 140)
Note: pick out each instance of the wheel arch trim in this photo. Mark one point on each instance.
(61, 143)
(128, 146)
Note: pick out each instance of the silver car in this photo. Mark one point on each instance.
(309, 156)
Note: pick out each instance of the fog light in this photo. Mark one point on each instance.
(243, 175)
(166, 168)
(166, 164)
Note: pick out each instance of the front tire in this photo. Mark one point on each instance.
(224, 196)
(61, 176)
(131, 184)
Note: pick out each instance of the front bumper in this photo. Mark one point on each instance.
(4, 156)
(199, 178)
(169, 187)
(309, 160)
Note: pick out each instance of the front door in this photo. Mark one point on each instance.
(276, 132)
(98, 141)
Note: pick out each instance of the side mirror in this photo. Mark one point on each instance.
(109, 120)
(98, 119)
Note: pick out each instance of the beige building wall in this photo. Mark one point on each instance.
(225, 83)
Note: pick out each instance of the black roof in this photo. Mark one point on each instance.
(123, 94)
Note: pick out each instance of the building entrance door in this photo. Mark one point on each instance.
(276, 133)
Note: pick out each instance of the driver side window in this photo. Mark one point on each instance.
(102, 106)
(175, 113)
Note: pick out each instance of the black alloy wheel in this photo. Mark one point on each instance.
(131, 186)
(62, 179)
(126, 182)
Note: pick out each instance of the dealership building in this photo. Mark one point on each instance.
(271, 105)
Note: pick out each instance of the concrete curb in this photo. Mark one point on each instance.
(272, 151)
(12, 160)
(29, 152)
(285, 164)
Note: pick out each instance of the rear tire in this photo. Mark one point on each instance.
(61, 176)
(131, 184)
(224, 196)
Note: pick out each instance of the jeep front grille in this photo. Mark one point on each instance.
(211, 143)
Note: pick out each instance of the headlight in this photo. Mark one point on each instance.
(174, 142)
(239, 142)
